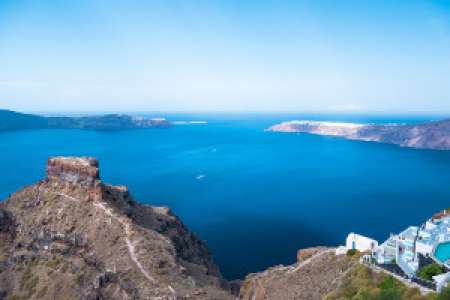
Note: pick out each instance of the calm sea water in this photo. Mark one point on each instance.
(255, 197)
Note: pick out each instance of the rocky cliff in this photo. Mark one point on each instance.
(317, 273)
(71, 236)
(321, 275)
(431, 135)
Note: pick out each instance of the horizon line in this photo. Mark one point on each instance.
(212, 111)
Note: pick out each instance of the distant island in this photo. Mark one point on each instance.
(431, 135)
(11, 120)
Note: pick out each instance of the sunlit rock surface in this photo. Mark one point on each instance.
(70, 236)
(432, 135)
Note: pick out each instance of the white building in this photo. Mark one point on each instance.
(386, 253)
(441, 281)
(406, 255)
(360, 243)
(406, 248)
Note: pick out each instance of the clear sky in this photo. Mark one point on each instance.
(187, 55)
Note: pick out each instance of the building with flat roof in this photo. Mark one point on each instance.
(430, 240)
(360, 243)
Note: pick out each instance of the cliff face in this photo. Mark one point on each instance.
(317, 273)
(74, 171)
(432, 135)
(70, 236)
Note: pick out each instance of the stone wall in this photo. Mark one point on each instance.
(75, 170)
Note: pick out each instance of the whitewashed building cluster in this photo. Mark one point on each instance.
(431, 239)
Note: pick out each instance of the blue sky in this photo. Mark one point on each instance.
(311, 56)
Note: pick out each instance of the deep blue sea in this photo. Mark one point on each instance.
(255, 197)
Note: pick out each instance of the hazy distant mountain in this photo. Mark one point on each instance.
(10, 120)
(431, 135)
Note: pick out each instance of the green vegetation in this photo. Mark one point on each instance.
(364, 284)
(53, 264)
(429, 271)
(444, 294)
(388, 283)
(351, 252)
(14, 297)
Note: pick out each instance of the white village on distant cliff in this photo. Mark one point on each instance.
(406, 253)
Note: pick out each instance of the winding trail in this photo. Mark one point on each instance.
(127, 233)
(309, 260)
(127, 230)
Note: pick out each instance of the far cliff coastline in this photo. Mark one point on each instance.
(432, 135)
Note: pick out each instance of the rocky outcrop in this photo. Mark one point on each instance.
(70, 236)
(7, 225)
(74, 170)
(432, 135)
(317, 273)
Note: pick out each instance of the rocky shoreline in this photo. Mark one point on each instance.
(431, 135)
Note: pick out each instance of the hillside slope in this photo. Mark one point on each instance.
(321, 275)
(317, 273)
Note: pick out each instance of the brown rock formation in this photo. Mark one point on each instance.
(75, 170)
(317, 273)
(72, 237)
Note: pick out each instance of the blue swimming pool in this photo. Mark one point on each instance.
(442, 252)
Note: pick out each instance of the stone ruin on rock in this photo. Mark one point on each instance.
(75, 173)
(82, 174)
(75, 170)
